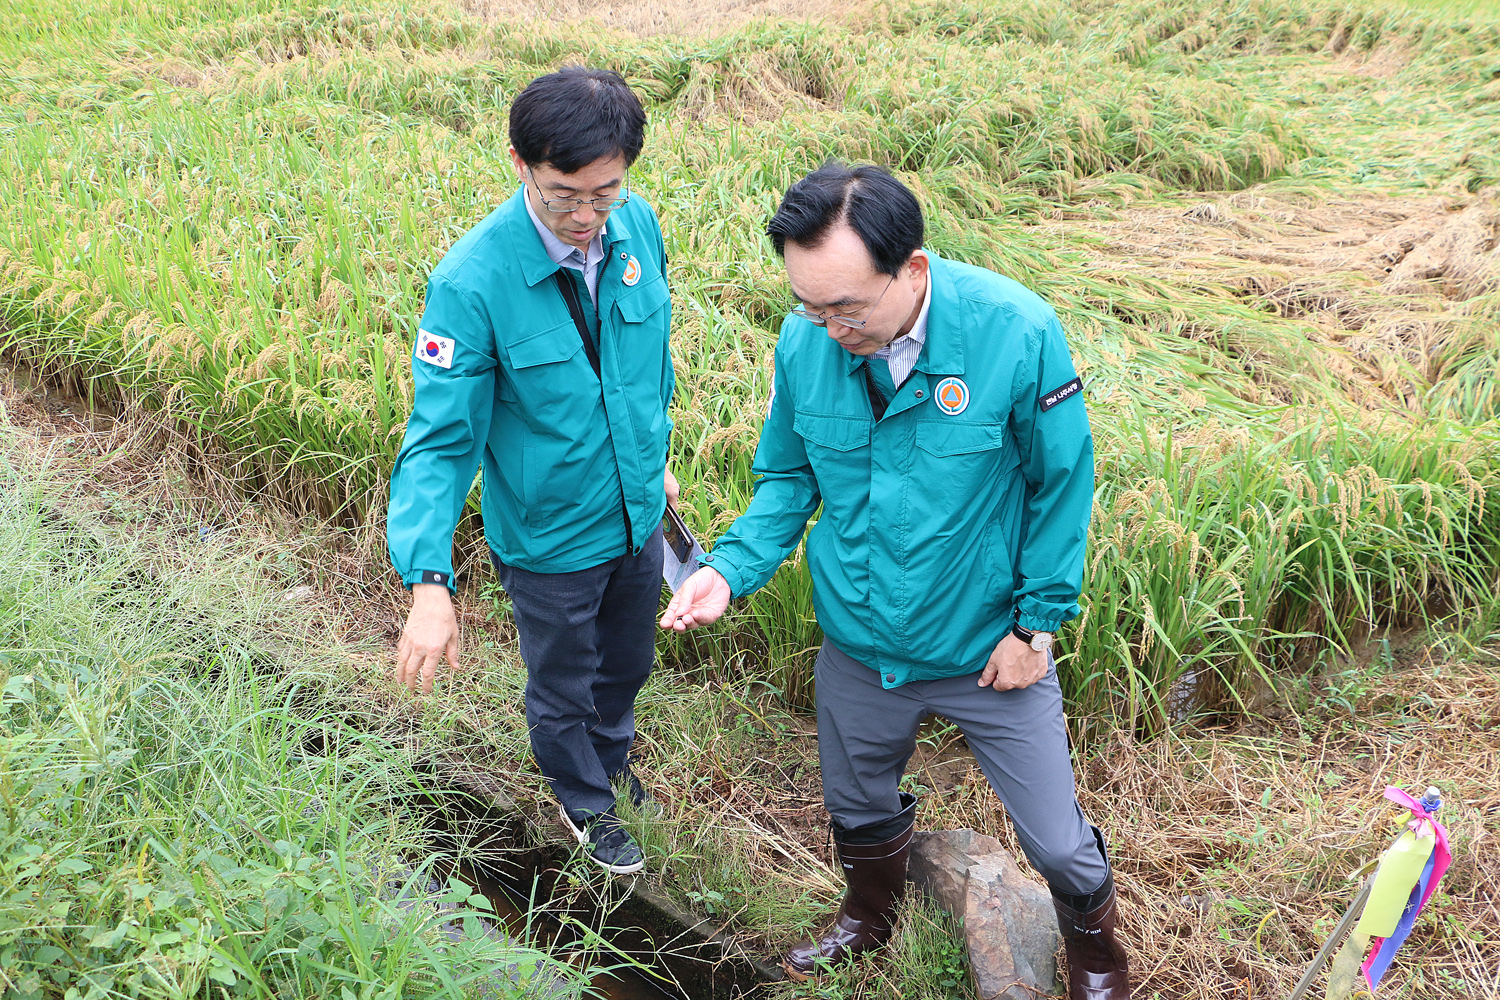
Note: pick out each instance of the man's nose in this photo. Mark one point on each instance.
(585, 215)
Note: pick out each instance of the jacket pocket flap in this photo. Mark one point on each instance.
(946, 437)
(832, 431)
(642, 301)
(557, 343)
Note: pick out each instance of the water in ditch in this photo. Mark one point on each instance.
(620, 984)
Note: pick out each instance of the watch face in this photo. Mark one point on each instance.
(1041, 641)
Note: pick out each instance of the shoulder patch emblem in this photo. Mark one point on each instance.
(1065, 391)
(951, 396)
(435, 350)
(632, 271)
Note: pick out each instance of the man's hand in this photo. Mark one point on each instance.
(669, 484)
(1013, 664)
(700, 600)
(431, 633)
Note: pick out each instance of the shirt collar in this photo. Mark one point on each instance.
(556, 249)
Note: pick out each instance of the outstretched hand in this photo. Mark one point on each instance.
(700, 600)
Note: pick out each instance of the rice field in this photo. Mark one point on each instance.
(228, 212)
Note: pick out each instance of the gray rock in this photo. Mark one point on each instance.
(1008, 919)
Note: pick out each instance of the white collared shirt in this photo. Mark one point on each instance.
(566, 256)
(901, 354)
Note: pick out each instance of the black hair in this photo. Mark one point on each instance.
(878, 207)
(576, 116)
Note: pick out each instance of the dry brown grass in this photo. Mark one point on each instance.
(1390, 277)
(138, 472)
(646, 19)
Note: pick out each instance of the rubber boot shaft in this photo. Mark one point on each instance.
(1098, 968)
(875, 875)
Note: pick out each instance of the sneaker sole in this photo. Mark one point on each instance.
(583, 841)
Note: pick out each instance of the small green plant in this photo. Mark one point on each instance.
(496, 602)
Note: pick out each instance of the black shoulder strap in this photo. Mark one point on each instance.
(878, 402)
(575, 309)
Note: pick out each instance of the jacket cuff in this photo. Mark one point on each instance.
(1039, 623)
(417, 576)
(721, 564)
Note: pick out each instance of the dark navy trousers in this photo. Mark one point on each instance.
(589, 641)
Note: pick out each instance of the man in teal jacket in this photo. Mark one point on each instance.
(542, 358)
(933, 410)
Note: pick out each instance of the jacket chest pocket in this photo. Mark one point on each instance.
(639, 304)
(838, 448)
(639, 340)
(964, 462)
(547, 369)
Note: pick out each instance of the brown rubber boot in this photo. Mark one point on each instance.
(876, 878)
(1097, 965)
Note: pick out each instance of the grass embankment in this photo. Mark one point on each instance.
(230, 214)
(185, 813)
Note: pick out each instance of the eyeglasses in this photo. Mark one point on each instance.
(823, 319)
(562, 206)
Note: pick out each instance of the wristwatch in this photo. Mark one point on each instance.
(1039, 641)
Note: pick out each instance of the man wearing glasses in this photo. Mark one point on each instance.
(933, 410)
(542, 359)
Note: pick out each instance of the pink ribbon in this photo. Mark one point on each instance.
(1442, 856)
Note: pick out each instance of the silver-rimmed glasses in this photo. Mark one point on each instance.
(823, 319)
(563, 206)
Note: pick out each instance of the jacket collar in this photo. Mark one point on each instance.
(525, 242)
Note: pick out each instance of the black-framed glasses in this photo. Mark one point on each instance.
(823, 319)
(563, 206)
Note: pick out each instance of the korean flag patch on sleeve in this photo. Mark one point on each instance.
(434, 350)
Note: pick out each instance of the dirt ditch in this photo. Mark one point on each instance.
(125, 470)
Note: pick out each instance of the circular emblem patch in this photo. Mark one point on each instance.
(632, 271)
(951, 396)
(433, 350)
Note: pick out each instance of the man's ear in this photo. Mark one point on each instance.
(918, 265)
(519, 164)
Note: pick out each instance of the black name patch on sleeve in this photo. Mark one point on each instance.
(428, 576)
(1062, 392)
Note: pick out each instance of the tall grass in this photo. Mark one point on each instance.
(230, 214)
(178, 817)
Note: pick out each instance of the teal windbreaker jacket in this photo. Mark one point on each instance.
(572, 469)
(967, 504)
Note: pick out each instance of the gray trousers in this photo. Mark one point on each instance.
(866, 735)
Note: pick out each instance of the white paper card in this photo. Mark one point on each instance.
(673, 570)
